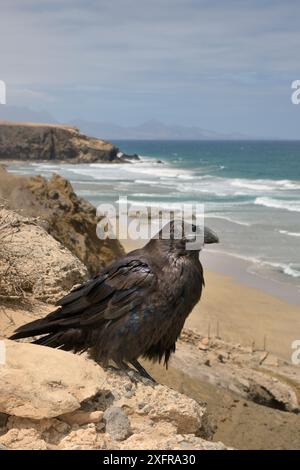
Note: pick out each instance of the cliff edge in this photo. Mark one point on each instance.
(27, 141)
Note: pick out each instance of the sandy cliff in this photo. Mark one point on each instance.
(68, 218)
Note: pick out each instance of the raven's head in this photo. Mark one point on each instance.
(185, 238)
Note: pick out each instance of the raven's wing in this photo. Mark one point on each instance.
(113, 293)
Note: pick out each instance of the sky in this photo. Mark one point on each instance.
(223, 65)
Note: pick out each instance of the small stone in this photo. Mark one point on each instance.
(147, 409)
(205, 341)
(202, 347)
(117, 423)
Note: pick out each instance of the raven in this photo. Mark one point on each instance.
(134, 307)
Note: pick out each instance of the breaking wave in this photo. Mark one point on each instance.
(288, 205)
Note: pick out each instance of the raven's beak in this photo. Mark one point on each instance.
(210, 236)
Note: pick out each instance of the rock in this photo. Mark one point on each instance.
(203, 347)
(85, 439)
(68, 218)
(24, 439)
(265, 391)
(32, 263)
(117, 423)
(38, 382)
(211, 358)
(160, 403)
(205, 341)
(236, 372)
(223, 356)
(82, 417)
(162, 437)
(2, 447)
(154, 417)
(52, 142)
(125, 157)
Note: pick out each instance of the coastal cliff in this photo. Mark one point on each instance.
(33, 142)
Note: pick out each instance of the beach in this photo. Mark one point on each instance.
(241, 307)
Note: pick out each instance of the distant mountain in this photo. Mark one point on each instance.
(152, 129)
(23, 114)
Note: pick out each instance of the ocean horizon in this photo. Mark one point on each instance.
(250, 191)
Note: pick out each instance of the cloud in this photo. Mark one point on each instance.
(160, 54)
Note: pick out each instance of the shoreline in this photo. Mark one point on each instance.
(240, 307)
(238, 268)
(278, 255)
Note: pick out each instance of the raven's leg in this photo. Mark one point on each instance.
(141, 370)
(131, 373)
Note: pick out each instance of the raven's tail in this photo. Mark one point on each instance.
(34, 328)
(54, 333)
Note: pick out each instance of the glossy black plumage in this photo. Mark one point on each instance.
(135, 307)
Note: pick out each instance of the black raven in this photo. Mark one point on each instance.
(135, 307)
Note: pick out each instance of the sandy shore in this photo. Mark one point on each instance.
(243, 308)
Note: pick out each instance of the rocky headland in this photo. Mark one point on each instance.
(54, 142)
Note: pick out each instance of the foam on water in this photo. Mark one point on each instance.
(289, 205)
(250, 192)
(290, 234)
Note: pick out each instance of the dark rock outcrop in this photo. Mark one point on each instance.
(25, 141)
(129, 158)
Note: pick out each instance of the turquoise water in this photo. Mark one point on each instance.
(250, 191)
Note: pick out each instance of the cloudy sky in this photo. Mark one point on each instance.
(224, 65)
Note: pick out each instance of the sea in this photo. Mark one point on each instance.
(250, 191)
